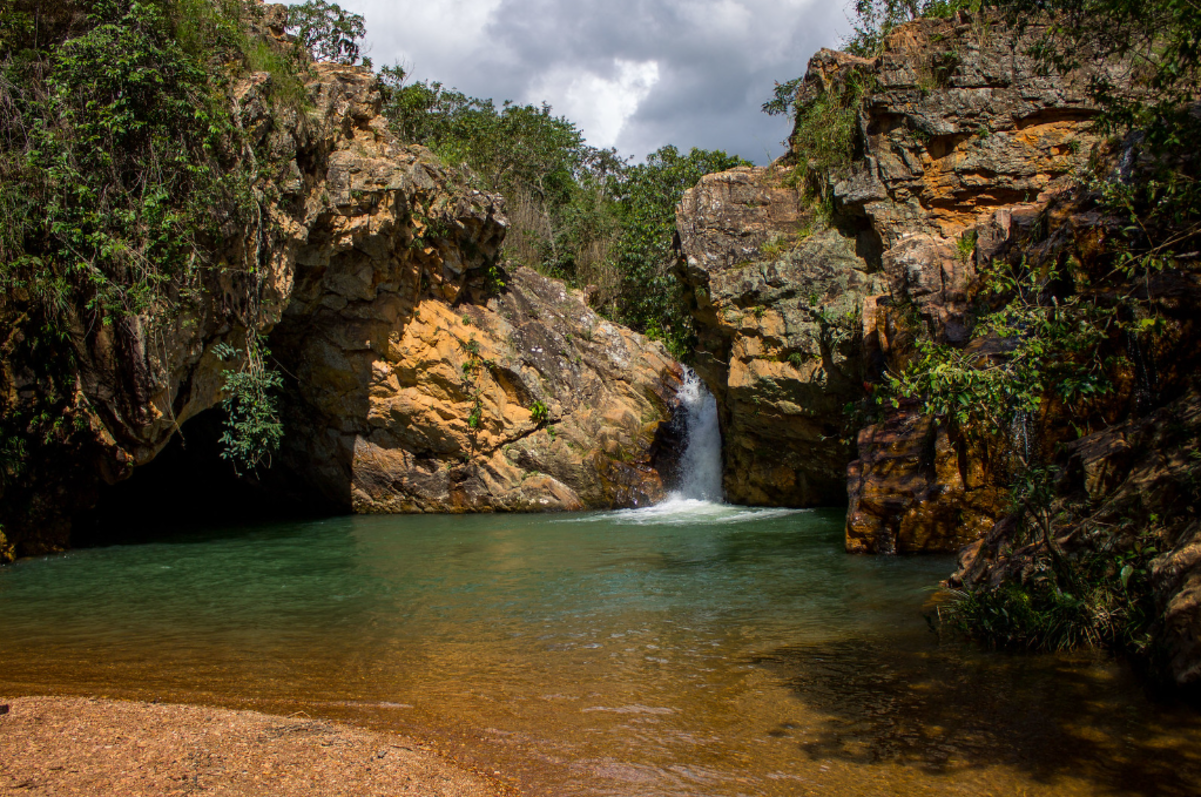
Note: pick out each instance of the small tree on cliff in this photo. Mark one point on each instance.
(327, 31)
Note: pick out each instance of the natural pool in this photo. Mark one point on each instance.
(688, 649)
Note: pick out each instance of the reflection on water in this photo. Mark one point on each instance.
(689, 649)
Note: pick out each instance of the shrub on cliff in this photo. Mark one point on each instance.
(549, 176)
(326, 31)
(122, 173)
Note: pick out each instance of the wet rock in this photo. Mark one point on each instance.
(779, 296)
(914, 488)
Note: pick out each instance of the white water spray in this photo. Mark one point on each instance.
(700, 467)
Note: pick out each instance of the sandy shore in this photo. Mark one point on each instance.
(91, 747)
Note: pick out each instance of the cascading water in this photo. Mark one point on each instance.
(700, 467)
(697, 499)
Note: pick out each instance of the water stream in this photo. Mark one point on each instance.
(692, 648)
(700, 467)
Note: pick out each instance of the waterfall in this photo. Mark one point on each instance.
(700, 467)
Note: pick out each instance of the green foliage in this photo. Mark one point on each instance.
(538, 412)
(875, 19)
(552, 181)
(966, 246)
(1106, 601)
(1043, 341)
(1160, 213)
(825, 132)
(471, 370)
(122, 173)
(824, 137)
(650, 298)
(327, 31)
(783, 99)
(252, 428)
(576, 212)
(116, 155)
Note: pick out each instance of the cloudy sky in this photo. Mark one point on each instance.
(634, 74)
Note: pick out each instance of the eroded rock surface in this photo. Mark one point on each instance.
(436, 408)
(1139, 484)
(779, 295)
(412, 361)
(803, 308)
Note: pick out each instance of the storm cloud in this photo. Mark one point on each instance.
(634, 74)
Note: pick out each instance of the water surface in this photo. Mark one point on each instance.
(690, 649)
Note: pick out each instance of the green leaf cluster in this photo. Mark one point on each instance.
(552, 180)
(253, 430)
(650, 297)
(116, 156)
(1107, 601)
(123, 172)
(1041, 341)
(326, 31)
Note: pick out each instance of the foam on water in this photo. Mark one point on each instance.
(677, 511)
(698, 497)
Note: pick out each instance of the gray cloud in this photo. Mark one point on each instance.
(643, 73)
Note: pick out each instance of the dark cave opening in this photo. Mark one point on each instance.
(189, 488)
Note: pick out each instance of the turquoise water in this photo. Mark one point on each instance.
(690, 649)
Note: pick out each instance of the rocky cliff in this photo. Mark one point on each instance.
(419, 374)
(816, 278)
(811, 278)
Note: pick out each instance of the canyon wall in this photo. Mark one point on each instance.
(419, 374)
(809, 280)
(815, 279)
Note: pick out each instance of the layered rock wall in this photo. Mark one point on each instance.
(804, 304)
(779, 296)
(413, 362)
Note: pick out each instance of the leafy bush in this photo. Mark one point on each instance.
(550, 178)
(122, 174)
(1106, 601)
(116, 165)
(253, 429)
(650, 298)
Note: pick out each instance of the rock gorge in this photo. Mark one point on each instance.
(802, 308)
(810, 282)
(412, 358)
(423, 374)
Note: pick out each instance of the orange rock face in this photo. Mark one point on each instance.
(801, 311)
(413, 361)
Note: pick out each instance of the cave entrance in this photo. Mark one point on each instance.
(189, 488)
